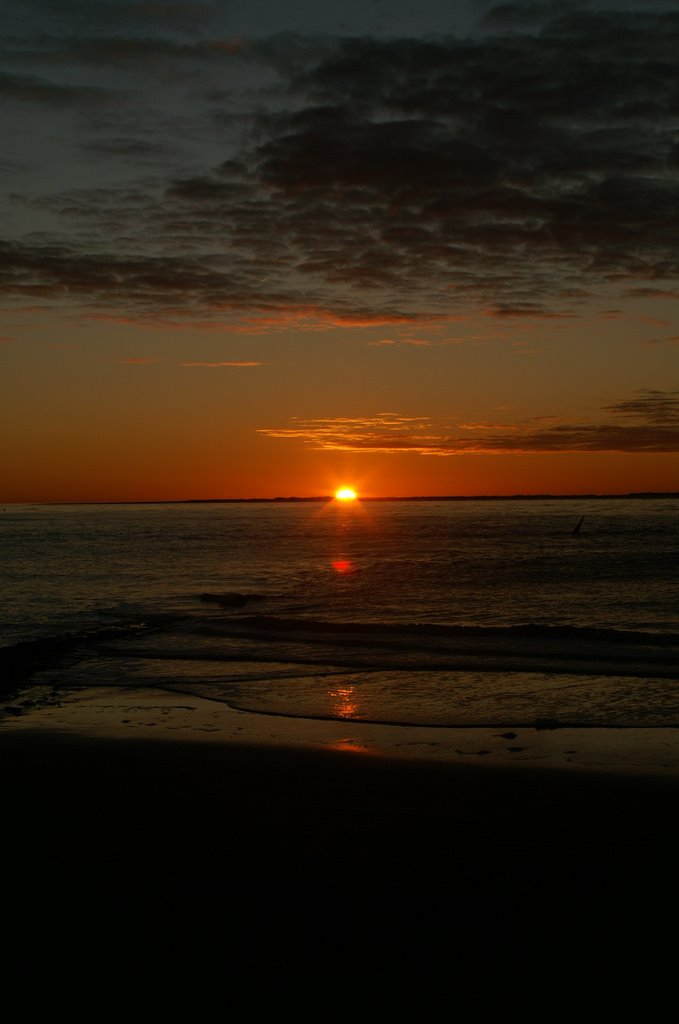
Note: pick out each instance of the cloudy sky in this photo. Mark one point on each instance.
(259, 249)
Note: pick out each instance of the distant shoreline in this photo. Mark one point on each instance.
(635, 495)
(452, 497)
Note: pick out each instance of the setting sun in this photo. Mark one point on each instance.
(345, 494)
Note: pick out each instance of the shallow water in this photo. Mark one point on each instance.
(430, 612)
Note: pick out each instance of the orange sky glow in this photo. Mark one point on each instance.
(428, 256)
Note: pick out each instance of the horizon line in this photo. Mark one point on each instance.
(590, 496)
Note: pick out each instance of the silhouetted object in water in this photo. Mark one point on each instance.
(577, 528)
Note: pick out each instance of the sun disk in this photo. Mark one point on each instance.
(346, 494)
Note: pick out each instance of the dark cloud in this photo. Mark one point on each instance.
(660, 408)
(30, 89)
(69, 16)
(182, 285)
(151, 53)
(530, 14)
(133, 150)
(652, 293)
(148, 283)
(518, 170)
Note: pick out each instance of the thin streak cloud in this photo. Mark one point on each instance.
(651, 424)
(226, 362)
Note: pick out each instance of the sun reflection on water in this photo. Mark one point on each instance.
(343, 702)
(343, 565)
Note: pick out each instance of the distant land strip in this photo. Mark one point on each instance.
(454, 497)
(640, 495)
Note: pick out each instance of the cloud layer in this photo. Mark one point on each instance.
(371, 180)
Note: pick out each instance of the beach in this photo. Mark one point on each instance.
(152, 786)
(158, 840)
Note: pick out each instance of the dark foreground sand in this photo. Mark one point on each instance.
(265, 813)
(155, 786)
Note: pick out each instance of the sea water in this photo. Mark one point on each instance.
(430, 612)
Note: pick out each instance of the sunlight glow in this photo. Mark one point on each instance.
(345, 494)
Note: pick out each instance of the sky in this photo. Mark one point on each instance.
(255, 249)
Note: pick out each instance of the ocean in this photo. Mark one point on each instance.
(424, 612)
